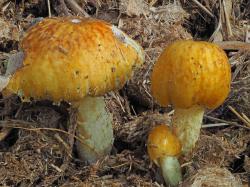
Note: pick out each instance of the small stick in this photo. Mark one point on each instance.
(118, 100)
(49, 9)
(5, 7)
(203, 8)
(58, 137)
(56, 168)
(244, 116)
(186, 164)
(239, 116)
(234, 45)
(229, 29)
(12, 124)
(76, 8)
(228, 122)
(215, 125)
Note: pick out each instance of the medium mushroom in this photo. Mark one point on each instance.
(191, 76)
(164, 149)
(76, 60)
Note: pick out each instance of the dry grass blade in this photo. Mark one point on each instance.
(227, 122)
(49, 9)
(246, 118)
(76, 8)
(5, 7)
(214, 125)
(203, 8)
(67, 147)
(229, 28)
(239, 116)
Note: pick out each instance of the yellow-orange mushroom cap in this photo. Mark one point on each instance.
(69, 58)
(191, 73)
(162, 142)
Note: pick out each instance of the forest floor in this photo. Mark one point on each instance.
(33, 153)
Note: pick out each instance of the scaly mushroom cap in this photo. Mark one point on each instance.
(162, 142)
(191, 73)
(69, 58)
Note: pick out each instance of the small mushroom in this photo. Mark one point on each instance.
(164, 149)
(77, 60)
(192, 76)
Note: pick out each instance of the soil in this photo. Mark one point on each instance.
(36, 148)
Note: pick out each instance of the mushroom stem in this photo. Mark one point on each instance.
(94, 126)
(171, 170)
(187, 125)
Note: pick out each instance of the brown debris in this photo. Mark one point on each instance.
(41, 152)
(9, 35)
(220, 149)
(240, 91)
(136, 131)
(213, 177)
(133, 8)
(30, 159)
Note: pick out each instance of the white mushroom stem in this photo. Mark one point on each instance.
(94, 126)
(171, 170)
(187, 125)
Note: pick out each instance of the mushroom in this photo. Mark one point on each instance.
(164, 149)
(192, 76)
(76, 60)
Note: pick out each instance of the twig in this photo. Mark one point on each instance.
(58, 137)
(228, 122)
(14, 124)
(118, 100)
(56, 168)
(186, 164)
(214, 125)
(239, 116)
(229, 29)
(244, 116)
(234, 45)
(63, 8)
(5, 7)
(203, 8)
(76, 8)
(49, 9)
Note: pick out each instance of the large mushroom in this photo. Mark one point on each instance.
(76, 60)
(163, 149)
(192, 76)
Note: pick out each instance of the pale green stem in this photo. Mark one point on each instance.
(94, 126)
(187, 125)
(171, 170)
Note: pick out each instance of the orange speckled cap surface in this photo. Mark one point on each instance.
(191, 73)
(69, 58)
(162, 142)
